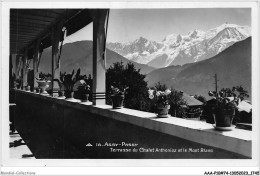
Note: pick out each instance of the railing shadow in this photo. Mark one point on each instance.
(16, 143)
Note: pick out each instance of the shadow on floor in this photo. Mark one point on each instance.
(16, 143)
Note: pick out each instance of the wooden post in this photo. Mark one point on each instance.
(35, 62)
(99, 56)
(17, 62)
(216, 83)
(13, 63)
(56, 31)
(24, 71)
(18, 71)
(11, 81)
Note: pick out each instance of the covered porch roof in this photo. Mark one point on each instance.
(29, 25)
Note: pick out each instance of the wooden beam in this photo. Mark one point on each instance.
(26, 24)
(33, 21)
(25, 31)
(17, 62)
(30, 27)
(35, 61)
(47, 30)
(62, 14)
(24, 71)
(99, 56)
(52, 13)
(55, 50)
(22, 36)
(33, 17)
(11, 79)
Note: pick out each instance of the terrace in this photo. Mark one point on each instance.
(58, 128)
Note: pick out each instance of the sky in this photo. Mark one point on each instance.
(126, 25)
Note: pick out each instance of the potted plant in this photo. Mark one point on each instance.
(68, 81)
(27, 88)
(161, 100)
(61, 92)
(18, 83)
(117, 97)
(223, 106)
(43, 83)
(83, 91)
(13, 82)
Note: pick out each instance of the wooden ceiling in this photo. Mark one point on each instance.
(27, 25)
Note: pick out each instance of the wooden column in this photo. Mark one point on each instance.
(24, 71)
(56, 31)
(99, 57)
(11, 80)
(13, 63)
(35, 61)
(17, 62)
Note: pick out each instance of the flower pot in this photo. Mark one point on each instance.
(162, 111)
(117, 101)
(69, 95)
(43, 85)
(224, 117)
(84, 97)
(61, 94)
(15, 85)
(209, 111)
(27, 88)
(37, 90)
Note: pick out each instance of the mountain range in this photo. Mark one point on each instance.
(230, 59)
(79, 55)
(232, 66)
(177, 49)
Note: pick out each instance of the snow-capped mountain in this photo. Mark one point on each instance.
(177, 49)
(136, 50)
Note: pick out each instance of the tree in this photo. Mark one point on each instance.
(160, 87)
(178, 104)
(128, 76)
(242, 93)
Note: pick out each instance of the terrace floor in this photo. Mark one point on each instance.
(18, 148)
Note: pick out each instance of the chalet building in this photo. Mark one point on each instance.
(193, 108)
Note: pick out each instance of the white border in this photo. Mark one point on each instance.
(254, 5)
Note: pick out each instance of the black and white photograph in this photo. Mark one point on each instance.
(130, 84)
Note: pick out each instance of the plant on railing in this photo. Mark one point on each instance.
(117, 96)
(83, 90)
(17, 81)
(224, 104)
(161, 100)
(117, 91)
(43, 82)
(43, 77)
(68, 81)
(161, 97)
